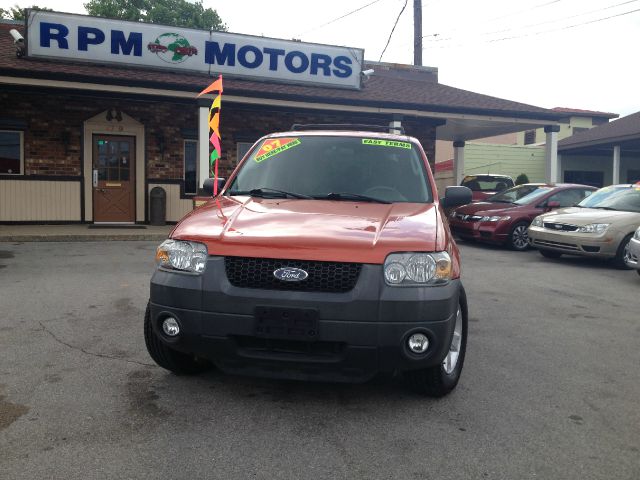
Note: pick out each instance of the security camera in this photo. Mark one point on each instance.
(368, 73)
(17, 38)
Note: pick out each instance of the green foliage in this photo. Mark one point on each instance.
(179, 13)
(522, 178)
(17, 12)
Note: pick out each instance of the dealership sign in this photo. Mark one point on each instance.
(100, 40)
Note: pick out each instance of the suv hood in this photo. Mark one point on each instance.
(585, 216)
(338, 231)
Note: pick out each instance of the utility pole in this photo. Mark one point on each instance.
(417, 32)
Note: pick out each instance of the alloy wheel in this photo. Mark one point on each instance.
(519, 237)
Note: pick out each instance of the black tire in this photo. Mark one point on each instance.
(622, 251)
(435, 381)
(174, 361)
(518, 237)
(549, 253)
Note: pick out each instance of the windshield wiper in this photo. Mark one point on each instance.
(350, 196)
(607, 208)
(265, 192)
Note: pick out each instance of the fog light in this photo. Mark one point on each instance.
(418, 343)
(170, 327)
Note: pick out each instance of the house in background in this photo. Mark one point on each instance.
(605, 155)
(514, 153)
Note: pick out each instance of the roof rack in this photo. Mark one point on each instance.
(345, 126)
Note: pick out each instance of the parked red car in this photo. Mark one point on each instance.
(156, 48)
(186, 51)
(483, 186)
(504, 217)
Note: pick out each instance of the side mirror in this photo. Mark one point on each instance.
(455, 196)
(207, 186)
(551, 205)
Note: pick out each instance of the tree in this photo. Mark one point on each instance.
(17, 13)
(179, 13)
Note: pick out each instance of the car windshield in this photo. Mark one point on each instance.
(334, 168)
(520, 195)
(625, 198)
(486, 183)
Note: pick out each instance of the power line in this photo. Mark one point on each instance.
(539, 23)
(566, 27)
(338, 18)
(393, 29)
(534, 7)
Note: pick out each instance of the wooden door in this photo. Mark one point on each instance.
(114, 196)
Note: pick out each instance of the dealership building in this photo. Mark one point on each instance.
(94, 113)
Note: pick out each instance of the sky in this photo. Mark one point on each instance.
(578, 54)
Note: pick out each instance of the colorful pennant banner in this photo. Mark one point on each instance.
(214, 127)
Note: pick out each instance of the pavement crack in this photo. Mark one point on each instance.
(87, 352)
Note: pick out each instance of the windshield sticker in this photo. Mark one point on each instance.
(275, 146)
(385, 143)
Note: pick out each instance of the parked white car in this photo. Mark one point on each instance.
(632, 258)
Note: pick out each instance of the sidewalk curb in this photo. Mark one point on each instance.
(83, 238)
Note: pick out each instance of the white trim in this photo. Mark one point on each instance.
(616, 165)
(21, 135)
(267, 101)
(203, 145)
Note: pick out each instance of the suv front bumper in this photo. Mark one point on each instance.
(360, 333)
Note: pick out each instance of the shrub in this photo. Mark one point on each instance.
(522, 178)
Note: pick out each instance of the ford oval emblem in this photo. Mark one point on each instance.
(290, 274)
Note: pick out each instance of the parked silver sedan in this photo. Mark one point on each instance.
(632, 258)
(602, 225)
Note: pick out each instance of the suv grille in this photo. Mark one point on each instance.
(330, 277)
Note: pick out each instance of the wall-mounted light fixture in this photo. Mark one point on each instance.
(114, 114)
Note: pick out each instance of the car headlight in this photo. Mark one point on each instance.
(182, 255)
(637, 234)
(414, 269)
(594, 228)
(494, 219)
(537, 222)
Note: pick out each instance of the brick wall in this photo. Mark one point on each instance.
(54, 126)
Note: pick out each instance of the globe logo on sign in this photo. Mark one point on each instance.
(172, 48)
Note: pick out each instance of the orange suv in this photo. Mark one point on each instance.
(325, 256)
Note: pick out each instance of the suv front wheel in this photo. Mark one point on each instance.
(439, 380)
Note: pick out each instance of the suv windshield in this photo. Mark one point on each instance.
(624, 198)
(486, 183)
(520, 195)
(334, 168)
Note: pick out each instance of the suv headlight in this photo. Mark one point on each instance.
(415, 269)
(182, 255)
(594, 228)
(637, 234)
(537, 222)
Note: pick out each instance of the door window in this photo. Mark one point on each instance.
(113, 160)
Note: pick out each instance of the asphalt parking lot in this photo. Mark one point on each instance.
(549, 390)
